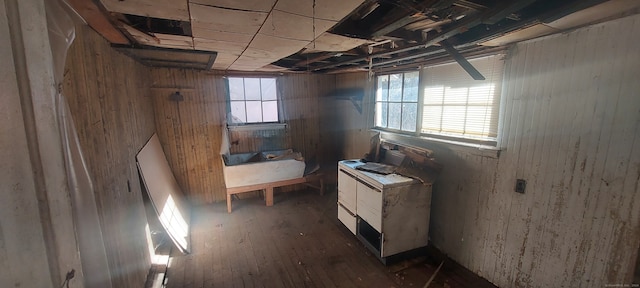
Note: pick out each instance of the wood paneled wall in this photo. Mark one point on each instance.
(571, 129)
(108, 94)
(345, 130)
(191, 131)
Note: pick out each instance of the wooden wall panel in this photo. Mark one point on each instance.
(191, 131)
(345, 131)
(108, 94)
(301, 94)
(571, 129)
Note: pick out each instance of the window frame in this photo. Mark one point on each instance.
(489, 143)
(228, 102)
(401, 102)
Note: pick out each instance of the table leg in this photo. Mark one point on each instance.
(228, 203)
(269, 195)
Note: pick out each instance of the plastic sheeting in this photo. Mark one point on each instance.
(61, 22)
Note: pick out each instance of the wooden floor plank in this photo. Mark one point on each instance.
(298, 242)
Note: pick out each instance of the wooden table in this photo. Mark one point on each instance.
(268, 187)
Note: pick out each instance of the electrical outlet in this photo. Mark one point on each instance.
(521, 185)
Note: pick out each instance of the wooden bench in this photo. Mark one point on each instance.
(268, 187)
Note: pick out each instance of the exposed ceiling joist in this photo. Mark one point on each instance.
(325, 36)
(473, 72)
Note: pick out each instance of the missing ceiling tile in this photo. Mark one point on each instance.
(159, 25)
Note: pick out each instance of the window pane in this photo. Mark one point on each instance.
(431, 119)
(381, 114)
(383, 88)
(455, 95)
(395, 87)
(434, 95)
(481, 94)
(236, 88)
(268, 88)
(455, 105)
(409, 111)
(453, 119)
(270, 110)
(395, 114)
(478, 120)
(410, 92)
(254, 111)
(252, 88)
(238, 114)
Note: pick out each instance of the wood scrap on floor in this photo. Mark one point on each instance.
(426, 285)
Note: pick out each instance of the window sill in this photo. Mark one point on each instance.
(257, 126)
(425, 142)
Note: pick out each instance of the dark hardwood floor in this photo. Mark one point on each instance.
(298, 242)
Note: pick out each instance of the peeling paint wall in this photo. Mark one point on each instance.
(571, 129)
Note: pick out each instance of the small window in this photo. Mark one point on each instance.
(252, 100)
(397, 101)
(456, 106)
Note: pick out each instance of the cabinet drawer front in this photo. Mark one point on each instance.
(347, 218)
(347, 190)
(346, 182)
(369, 205)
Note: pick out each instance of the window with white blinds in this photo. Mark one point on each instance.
(456, 106)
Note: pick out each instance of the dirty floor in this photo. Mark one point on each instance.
(298, 242)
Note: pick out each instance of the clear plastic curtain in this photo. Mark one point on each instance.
(61, 21)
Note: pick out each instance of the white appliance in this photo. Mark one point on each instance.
(388, 213)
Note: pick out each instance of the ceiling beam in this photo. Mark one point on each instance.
(502, 10)
(96, 17)
(473, 72)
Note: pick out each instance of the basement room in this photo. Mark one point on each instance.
(320, 143)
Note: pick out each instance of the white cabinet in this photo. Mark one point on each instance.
(388, 213)
(369, 205)
(347, 190)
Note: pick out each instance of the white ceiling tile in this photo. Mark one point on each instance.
(333, 10)
(203, 33)
(249, 5)
(249, 63)
(292, 26)
(333, 42)
(226, 20)
(224, 60)
(276, 47)
(219, 46)
(165, 9)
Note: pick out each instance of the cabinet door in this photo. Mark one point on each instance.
(369, 205)
(347, 191)
(348, 219)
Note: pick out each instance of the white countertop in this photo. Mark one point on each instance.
(375, 179)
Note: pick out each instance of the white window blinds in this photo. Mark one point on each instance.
(455, 105)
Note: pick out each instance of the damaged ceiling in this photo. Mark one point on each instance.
(329, 36)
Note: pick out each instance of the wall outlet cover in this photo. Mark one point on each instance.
(521, 185)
